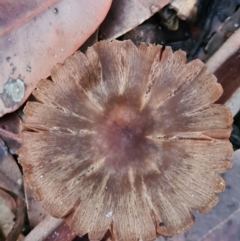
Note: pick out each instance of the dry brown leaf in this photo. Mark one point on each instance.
(10, 175)
(7, 210)
(226, 29)
(10, 126)
(125, 15)
(11, 179)
(35, 35)
(225, 64)
(35, 211)
(19, 219)
(90, 41)
(12, 210)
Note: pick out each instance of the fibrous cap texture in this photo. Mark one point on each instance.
(127, 139)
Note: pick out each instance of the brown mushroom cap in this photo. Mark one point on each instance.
(127, 138)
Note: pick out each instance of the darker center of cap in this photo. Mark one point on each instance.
(121, 134)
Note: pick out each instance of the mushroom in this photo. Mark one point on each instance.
(127, 139)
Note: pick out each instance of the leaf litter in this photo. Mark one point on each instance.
(222, 223)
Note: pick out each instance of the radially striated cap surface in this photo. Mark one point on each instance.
(128, 139)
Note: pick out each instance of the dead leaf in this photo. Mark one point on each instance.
(225, 64)
(90, 41)
(11, 183)
(125, 15)
(10, 175)
(35, 211)
(10, 126)
(35, 35)
(7, 210)
(12, 210)
(19, 219)
(230, 25)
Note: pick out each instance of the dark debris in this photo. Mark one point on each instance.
(235, 135)
(200, 38)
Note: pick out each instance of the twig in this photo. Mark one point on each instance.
(43, 229)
